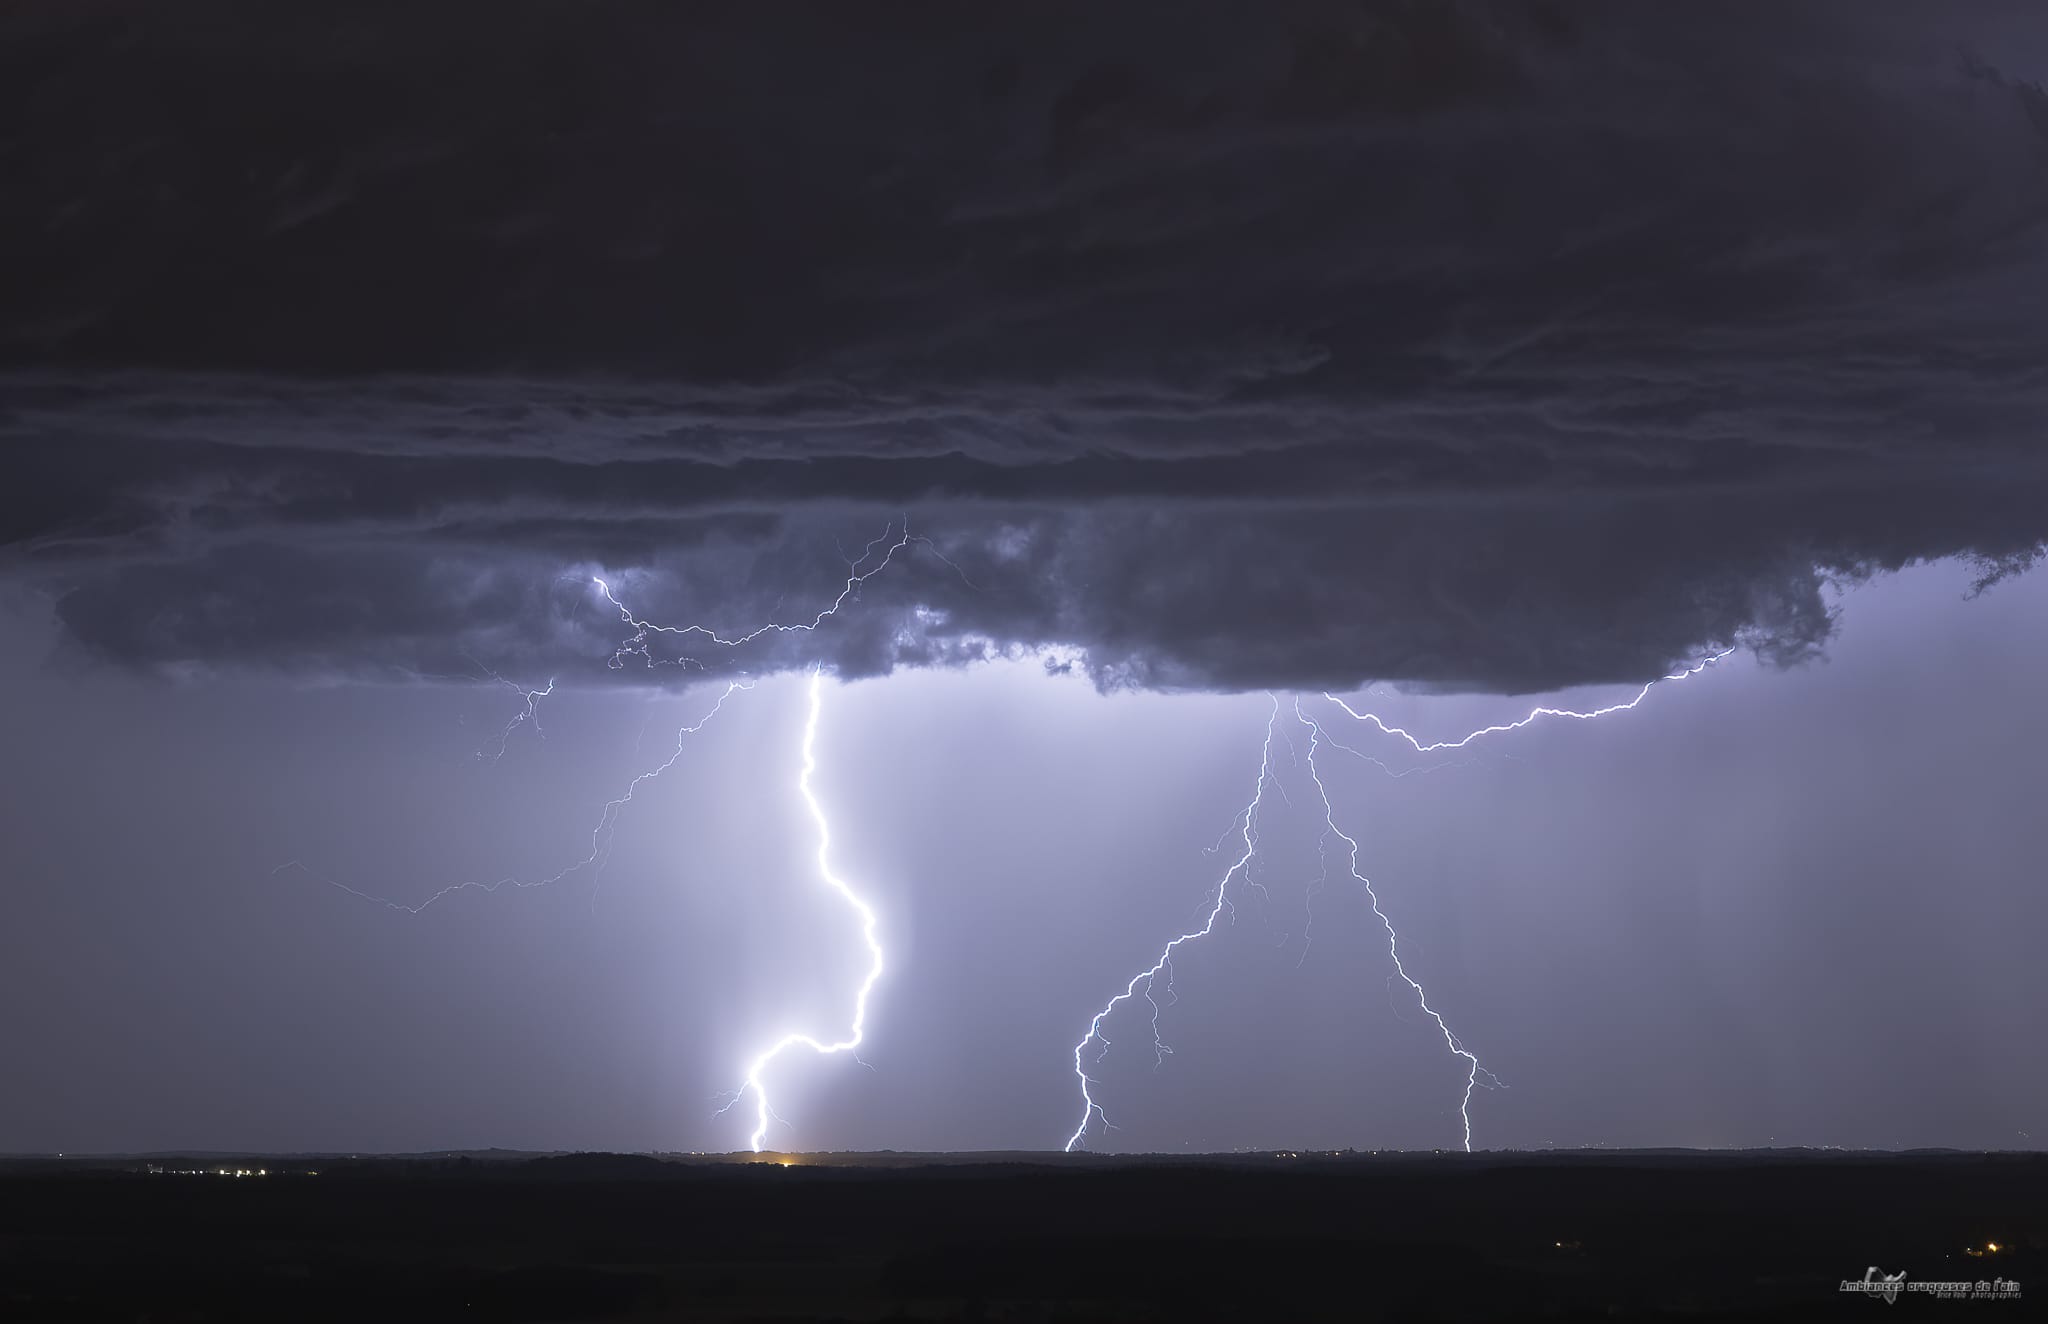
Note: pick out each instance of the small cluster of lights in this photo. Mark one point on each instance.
(1327, 1153)
(213, 1172)
(1979, 1252)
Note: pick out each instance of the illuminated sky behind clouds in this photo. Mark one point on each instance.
(1768, 904)
(1473, 349)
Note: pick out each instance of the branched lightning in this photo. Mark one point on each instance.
(639, 643)
(664, 645)
(755, 1082)
(1143, 983)
(1316, 888)
(529, 711)
(858, 573)
(600, 835)
(1533, 715)
(1247, 822)
(1476, 1074)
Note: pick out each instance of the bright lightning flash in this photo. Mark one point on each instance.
(756, 1082)
(637, 646)
(1146, 983)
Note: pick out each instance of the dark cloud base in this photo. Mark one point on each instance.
(1476, 346)
(1472, 594)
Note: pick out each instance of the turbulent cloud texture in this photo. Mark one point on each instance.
(1478, 346)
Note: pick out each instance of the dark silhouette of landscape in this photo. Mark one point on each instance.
(502, 1235)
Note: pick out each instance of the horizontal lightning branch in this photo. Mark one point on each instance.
(1534, 714)
(639, 644)
(529, 714)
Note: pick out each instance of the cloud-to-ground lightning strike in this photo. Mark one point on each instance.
(1534, 714)
(1476, 1074)
(1146, 983)
(638, 645)
(869, 924)
(600, 835)
(1248, 822)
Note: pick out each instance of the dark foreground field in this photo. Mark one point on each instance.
(575, 1237)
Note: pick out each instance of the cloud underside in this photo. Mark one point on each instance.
(1484, 348)
(1496, 594)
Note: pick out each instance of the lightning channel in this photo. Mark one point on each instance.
(1475, 1075)
(601, 836)
(529, 711)
(1147, 980)
(640, 643)
(756, 1081)
(1533, 715)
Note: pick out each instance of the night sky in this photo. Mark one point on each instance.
(1196, 362)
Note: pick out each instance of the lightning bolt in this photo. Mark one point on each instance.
(1145, 981)
(529, 711)
(755, 1080)
(1247, 821)
(1534, 714)
(1316, 888)
(1475, 1073)
(602, 833)
(639, 644)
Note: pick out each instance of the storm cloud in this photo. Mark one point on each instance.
(1489, 347)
